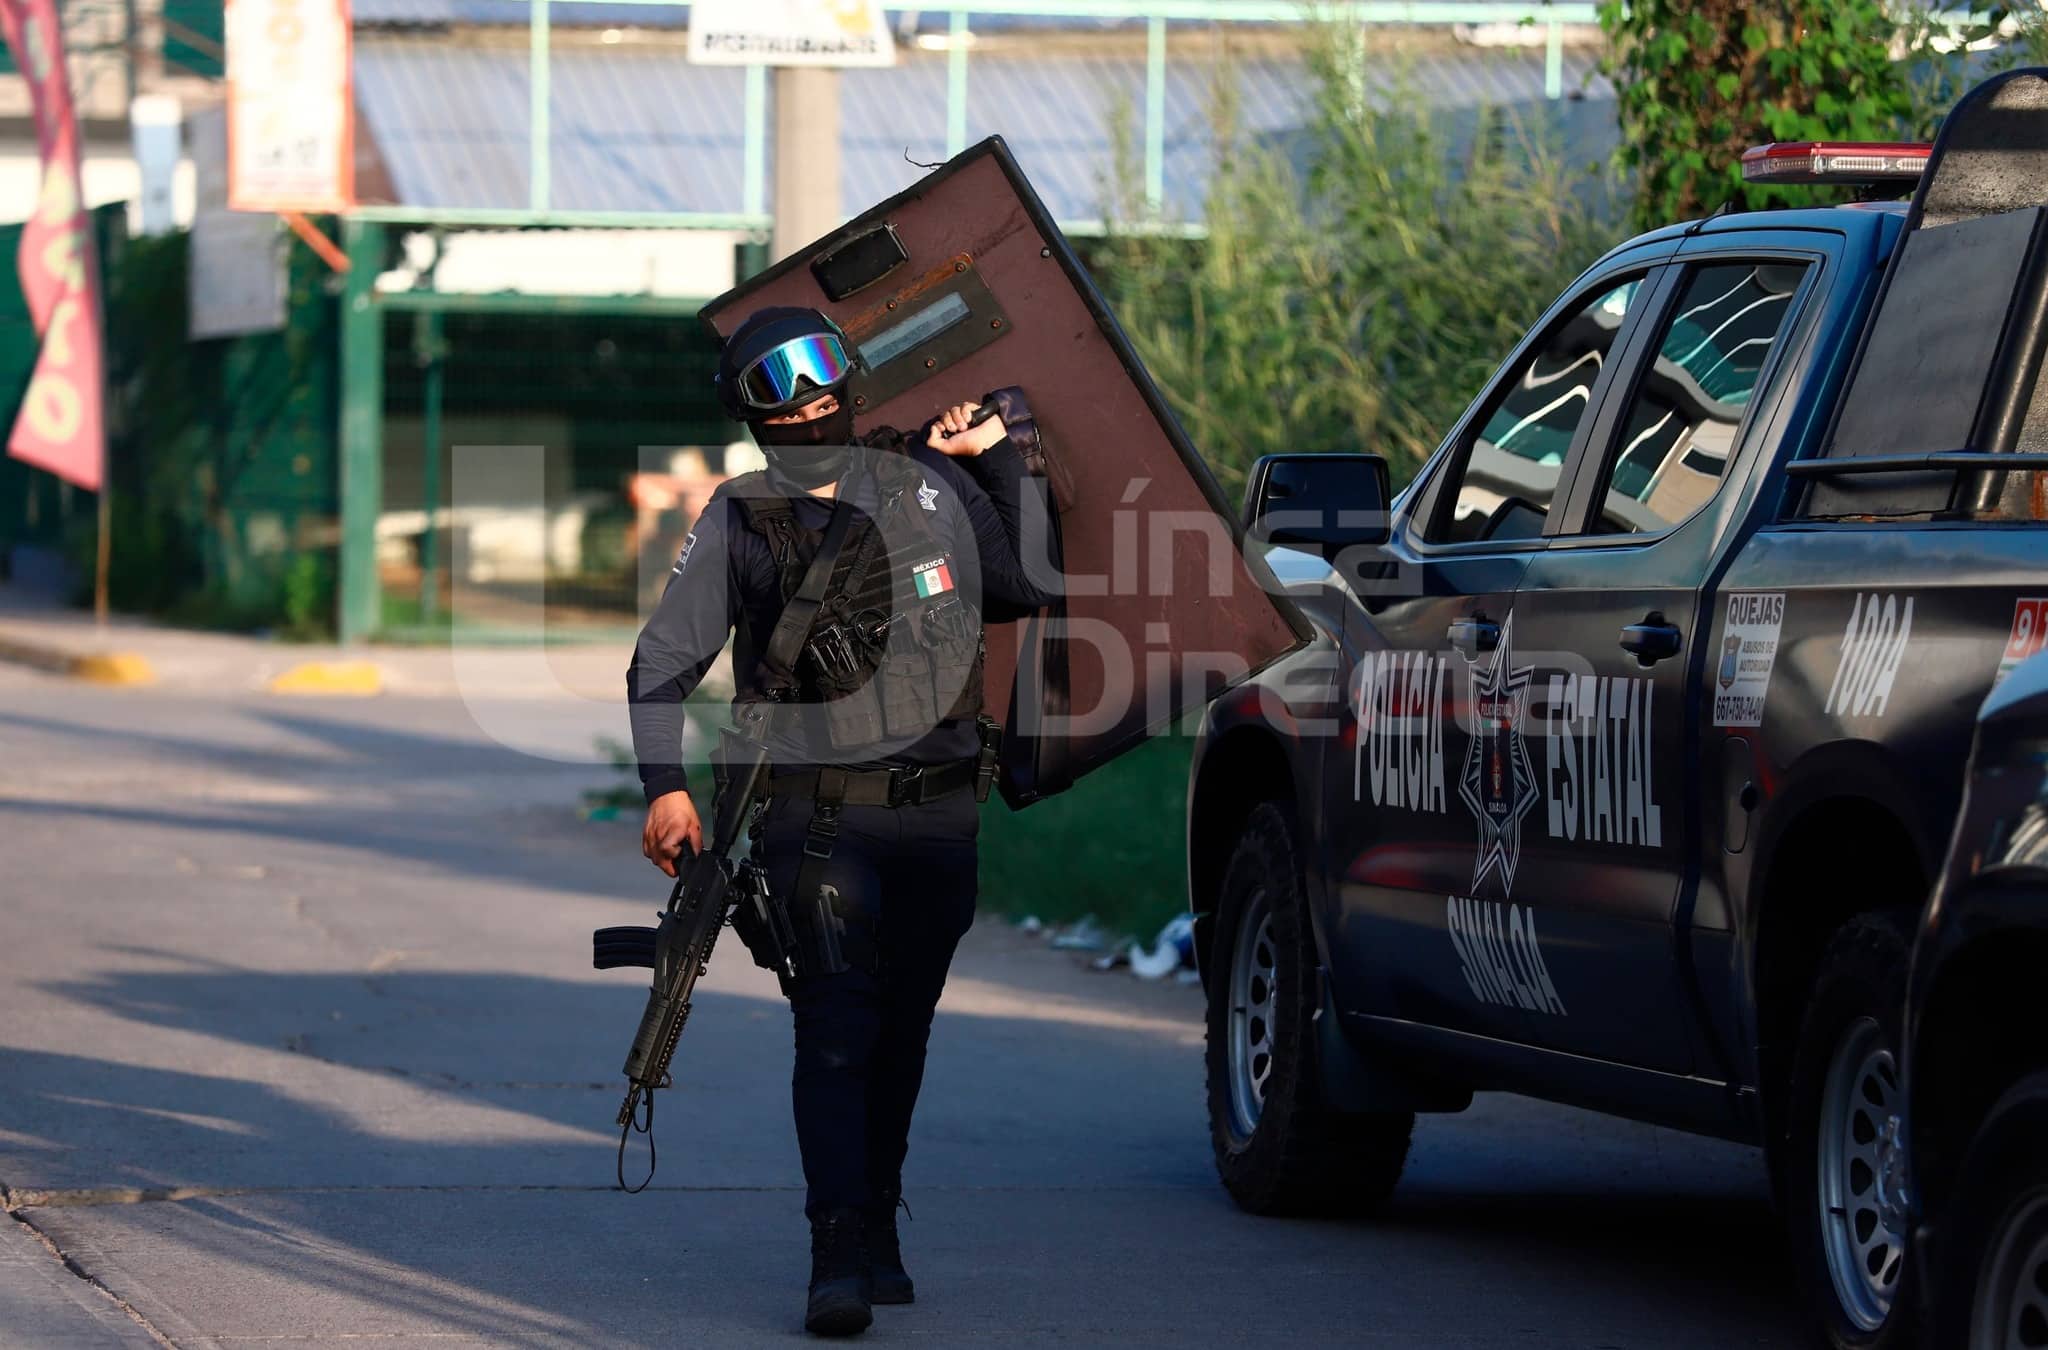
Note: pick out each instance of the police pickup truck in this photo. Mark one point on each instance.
(1974, 1191)
(1634, 727)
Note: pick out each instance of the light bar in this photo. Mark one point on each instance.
(1835, 162)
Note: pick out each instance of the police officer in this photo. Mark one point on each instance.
(869, 827)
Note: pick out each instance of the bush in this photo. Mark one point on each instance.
(309, 590)
(1358, 283)
(1700, 81)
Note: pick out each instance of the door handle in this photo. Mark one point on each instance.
(1473, 636)
(1651, 640)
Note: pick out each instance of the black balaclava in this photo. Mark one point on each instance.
(809, 454)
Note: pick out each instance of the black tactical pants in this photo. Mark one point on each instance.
(860, 1034)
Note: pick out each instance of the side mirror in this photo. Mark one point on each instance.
(1323, 503)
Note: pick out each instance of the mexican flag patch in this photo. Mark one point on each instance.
(932, 578)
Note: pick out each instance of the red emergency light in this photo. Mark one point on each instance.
(1835, 162)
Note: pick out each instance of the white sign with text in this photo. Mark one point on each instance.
(790, 33)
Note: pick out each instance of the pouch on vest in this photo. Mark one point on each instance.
(856, 719)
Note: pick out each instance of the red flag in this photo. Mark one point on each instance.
(59, 426)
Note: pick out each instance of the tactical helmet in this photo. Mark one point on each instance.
(780, 359)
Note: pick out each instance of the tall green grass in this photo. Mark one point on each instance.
(1361, 278)
(1113, 845)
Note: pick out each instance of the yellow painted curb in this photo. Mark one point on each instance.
(358, 678)
(113, 668)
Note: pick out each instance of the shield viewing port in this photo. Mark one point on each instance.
(859, 263)
(922, 330)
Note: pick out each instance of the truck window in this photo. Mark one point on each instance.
(1508, 474)
(1681, 425)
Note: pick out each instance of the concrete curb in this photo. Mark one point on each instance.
(357, 679)
(99, 667)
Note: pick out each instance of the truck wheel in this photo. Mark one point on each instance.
(1842, 1199)
(1279, 1148)
(1991, 1280)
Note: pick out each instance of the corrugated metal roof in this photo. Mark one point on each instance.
(643, 129)
(450, 121)
(586, 13)
(590, 14)
(630, 130)
(503, 13)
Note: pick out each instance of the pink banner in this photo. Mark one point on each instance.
(59, 426)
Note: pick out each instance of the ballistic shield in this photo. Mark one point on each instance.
(962, 286)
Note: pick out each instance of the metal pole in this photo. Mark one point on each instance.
(807, 203)
(427, 344)
(755, 170)
(1155, 115)
(132, 51)
(103, 546)
(103, 550)
(362, 431)
(538, 131)
(956, 85)
(1553, 61)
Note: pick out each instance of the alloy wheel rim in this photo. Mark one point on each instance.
(2011, 1307)
(1864, 1255)
(1253, 974)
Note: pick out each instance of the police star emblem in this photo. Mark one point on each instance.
(1498, 784)
(927, 495)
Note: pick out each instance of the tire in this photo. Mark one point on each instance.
(1991, 1268)
(1279, 1148)
(1852, 1263)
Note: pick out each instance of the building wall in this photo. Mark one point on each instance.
(109, 176)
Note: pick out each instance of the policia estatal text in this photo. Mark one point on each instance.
(867, 832)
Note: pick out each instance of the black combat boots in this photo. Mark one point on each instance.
(839, 1275)
(885, 1256)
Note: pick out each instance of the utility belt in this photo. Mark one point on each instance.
(905, 785)
(814, 930)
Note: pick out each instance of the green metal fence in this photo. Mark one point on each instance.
(593, 382)
(1550, 18)
(221, 454)
(437, 359)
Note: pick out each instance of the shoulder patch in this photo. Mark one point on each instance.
(683, 558)
(927, 495)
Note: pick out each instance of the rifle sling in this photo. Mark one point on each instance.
(800, 614)
(778, 663)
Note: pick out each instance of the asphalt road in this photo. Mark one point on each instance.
(299, 1042)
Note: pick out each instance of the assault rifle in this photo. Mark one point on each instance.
(679, 949)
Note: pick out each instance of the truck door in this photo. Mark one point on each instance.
(1608, 635)
(1419, 796)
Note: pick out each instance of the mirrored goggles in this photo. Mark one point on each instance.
(798, 367)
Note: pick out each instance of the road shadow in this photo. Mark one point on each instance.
(342, 740)
(410, 1139)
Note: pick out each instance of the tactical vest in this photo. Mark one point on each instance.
(896, 648)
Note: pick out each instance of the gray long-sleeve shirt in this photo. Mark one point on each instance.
(727, 577)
